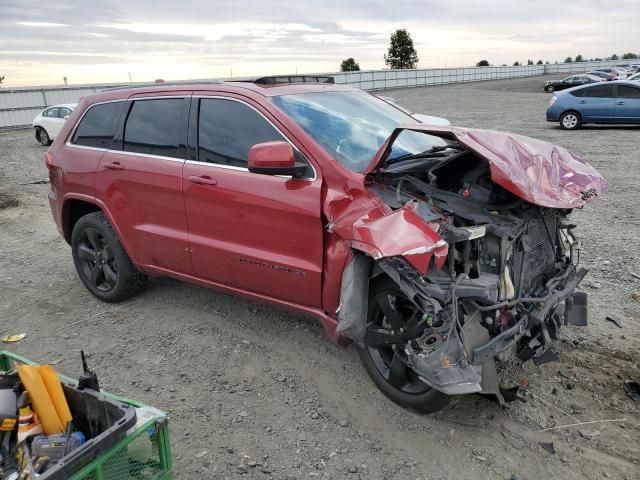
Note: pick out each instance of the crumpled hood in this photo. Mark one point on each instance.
(536, 171)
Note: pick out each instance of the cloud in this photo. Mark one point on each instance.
(208, 38)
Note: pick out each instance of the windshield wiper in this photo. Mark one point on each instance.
(426, 153)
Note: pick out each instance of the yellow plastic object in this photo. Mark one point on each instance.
(7, 424)
(52, 382)
(13, 338)
(41, 399)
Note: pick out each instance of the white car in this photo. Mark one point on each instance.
(622, 72)
(49, 122)
(635, 77)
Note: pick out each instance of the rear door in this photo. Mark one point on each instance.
(139, 180)
(258, 233)
(597, 103)
(628, 104)
(52, 121)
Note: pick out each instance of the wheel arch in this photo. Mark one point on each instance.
(572, 110)
(77, 206)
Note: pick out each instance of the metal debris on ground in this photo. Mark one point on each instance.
(633, 390)
(614, 320)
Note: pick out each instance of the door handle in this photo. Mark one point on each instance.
(619, 103)
(582, 101)
(114, 166)
(203, 180)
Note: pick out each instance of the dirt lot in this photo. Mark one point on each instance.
(264, 395)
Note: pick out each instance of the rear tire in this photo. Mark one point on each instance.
(102, 264)
(570, 120)
(43, 137)
(411, 392)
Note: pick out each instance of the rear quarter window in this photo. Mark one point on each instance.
(98, 125)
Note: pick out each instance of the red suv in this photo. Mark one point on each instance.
(437, 250)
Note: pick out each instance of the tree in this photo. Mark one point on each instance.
(482, 63)
(539, 62)
(568, 60)
(1, 79)
(579, 58)
(349, 65)
(597, 59)
(516, 64)
(401, 53)
(529, 62)
(614, 56)
(629, 56)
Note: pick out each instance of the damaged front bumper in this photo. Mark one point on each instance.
(459, 359)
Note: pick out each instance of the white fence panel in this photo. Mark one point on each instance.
(19, 106)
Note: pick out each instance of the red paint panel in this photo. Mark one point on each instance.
(144, 196)
(257, 232)
(534, 170)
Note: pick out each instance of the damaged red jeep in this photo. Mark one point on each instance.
(437, 250)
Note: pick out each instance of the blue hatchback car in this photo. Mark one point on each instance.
(608, 102)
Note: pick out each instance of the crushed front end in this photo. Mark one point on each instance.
(505, 282)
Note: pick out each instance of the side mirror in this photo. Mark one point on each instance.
(274, 158)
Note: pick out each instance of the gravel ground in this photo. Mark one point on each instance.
(255, 392)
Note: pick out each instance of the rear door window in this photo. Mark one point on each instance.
(98, 125)
(599, 91)
(155, 127)
(51, 113)
(625, 91)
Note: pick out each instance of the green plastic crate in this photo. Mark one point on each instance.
(143, 455)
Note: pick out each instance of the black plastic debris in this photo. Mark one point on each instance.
(615, 321)
(633, 390)
(548, 446)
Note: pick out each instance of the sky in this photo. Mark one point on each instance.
(104, 41)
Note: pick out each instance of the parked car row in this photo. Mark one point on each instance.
(619, 72)
(604, 103)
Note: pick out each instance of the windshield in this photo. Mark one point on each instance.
(352, 126)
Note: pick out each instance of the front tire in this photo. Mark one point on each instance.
(570, 120)
(550, 89)
(382, 353)
(43, 137)
(102, 264)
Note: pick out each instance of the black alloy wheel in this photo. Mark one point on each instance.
(393, 320)
(102, 264)
(99, 266)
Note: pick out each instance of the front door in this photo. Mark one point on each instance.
(140, 181)
(253, 232)
(597, 103)
(628, 104)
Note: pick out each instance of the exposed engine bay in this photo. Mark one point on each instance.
(507, 285)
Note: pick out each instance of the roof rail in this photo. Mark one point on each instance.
(163, 84)
(282, 79)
